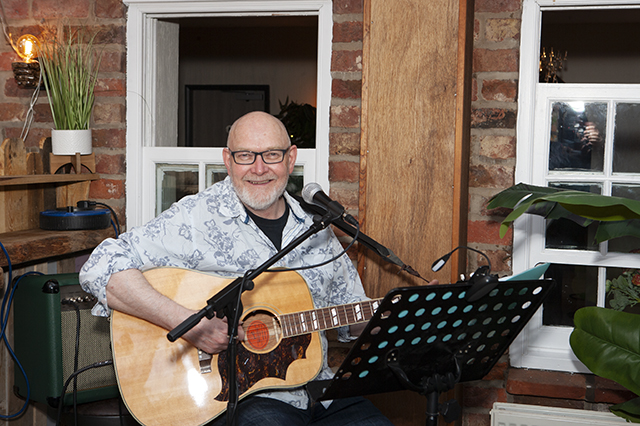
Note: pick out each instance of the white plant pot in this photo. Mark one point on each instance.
(69, 142)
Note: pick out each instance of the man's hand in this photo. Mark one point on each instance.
(211, 335)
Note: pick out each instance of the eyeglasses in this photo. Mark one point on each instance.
(272, 156)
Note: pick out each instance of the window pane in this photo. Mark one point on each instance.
(577, 136)
(623, 289)
(576, 287)
(626, 139)
(175, 182)
(565, 233)
(215, 173)
(625, 244)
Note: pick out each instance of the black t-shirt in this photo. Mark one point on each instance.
(272, 227)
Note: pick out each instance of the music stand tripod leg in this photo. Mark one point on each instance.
(431, 387)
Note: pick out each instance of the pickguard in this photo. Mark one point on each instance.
(253, 367)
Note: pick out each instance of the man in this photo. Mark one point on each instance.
(233, 226)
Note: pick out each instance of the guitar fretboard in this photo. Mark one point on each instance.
(327, 318)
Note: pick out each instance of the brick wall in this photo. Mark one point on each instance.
(108, 122)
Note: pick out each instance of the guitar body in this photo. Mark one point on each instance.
(163, 383)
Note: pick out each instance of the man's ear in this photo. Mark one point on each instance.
(293, 155)
(226, 156)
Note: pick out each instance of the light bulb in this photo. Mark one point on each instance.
(27, 47)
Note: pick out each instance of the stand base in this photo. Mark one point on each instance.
(77, 161)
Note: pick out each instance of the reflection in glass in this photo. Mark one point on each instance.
(576, 287)
(625, 244)
(626, 136)
(175, 181)
(577, 136)
(621, 297)
(567, 234)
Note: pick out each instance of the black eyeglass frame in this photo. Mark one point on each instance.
(256, 154)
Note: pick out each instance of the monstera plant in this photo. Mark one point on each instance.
(607, 341)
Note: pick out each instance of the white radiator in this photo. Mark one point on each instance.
(504, 414)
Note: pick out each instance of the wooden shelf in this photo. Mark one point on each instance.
(37, 244)
(39, 179)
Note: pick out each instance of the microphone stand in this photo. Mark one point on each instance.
(227, 302)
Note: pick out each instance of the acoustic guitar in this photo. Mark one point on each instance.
(165, 383)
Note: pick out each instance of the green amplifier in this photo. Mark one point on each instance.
(51, 313)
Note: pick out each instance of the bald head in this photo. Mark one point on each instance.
(258, 126)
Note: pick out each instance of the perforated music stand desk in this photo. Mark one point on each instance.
(430, 333)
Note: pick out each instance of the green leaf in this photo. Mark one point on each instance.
(629, 410)
(617, 216)
(608, 343)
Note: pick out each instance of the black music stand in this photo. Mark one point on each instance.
(429, 338)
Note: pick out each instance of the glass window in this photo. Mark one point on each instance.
(626, 139)
(175, 182)
(576, 142)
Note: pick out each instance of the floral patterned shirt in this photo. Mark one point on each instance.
(212, 232)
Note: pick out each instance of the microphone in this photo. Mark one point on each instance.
(312, 193)
(482, 282)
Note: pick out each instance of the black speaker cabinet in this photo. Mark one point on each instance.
(45, 329)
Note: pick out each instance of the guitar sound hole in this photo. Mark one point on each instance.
(262, 331)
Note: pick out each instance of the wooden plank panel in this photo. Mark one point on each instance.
(36, 244)
(408, 149)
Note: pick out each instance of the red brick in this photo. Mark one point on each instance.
(346, 60)
(476, 396)
(345, 116)
(344, 143)
(493, 118)
(486, 60)
(474, 89)
(345, 32)
(15, 9)
(476, 419)
(12, 112)
(110, 9)
(500, 261)
(6, 59)
(610, 392)
(548, 384)
(498, 147)
(106, 189)
(486, 232)
(490, 176)
(42, 111)
(113, 62)
(344, 171)
(345, 196)
(498, 372)
(498, 30)
(347, 6)
(109, 138)
(108, 113)
(499, 90)
(110, 87)
(346, 89)
(497, 5)
(110, 34)
(50, 9)
(110, 164)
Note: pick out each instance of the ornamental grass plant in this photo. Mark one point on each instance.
(70, 74)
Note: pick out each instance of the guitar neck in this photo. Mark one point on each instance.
(304, 322)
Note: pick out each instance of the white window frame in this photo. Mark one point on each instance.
(142, 153)
(539, 346)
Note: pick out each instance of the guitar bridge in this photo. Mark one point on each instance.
(204, 359)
